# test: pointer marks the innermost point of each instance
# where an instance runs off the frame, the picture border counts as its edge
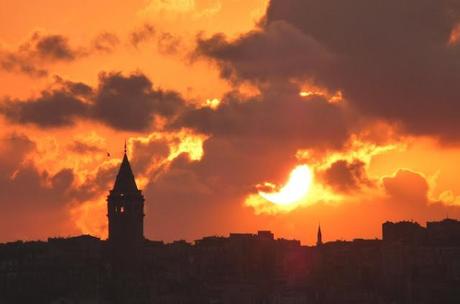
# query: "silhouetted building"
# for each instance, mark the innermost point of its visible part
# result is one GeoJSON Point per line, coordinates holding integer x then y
{"type": "Point", "coordinates": [443, 232]}
{"type": "Point", "coordinates": [124, 255]}
{"type": "Point", "coordinates": [403, 232]}
{"type": "Point", "coordinates": [241, 268]}
{"type": "Point", "coordinates": [125, 208]}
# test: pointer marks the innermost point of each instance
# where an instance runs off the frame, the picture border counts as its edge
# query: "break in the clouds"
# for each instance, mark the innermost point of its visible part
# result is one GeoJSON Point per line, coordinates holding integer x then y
{"type": "Point", "coordinates": [121, 102]}
{"type": "Point", "coordinates": [395, 60]}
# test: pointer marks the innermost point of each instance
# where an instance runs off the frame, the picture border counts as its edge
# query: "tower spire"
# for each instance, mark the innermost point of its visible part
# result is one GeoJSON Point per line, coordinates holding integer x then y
{"type": "Point", "coordinates": [125, 146]}
{"type": "Point", "coordinates": [319, 237]}
{"type": "Point", "coordinates": [125, 181]}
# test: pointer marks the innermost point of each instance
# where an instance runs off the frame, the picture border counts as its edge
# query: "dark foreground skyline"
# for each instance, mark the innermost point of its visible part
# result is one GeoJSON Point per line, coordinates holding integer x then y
{"type": "Point", "coordinates": [410, 264]}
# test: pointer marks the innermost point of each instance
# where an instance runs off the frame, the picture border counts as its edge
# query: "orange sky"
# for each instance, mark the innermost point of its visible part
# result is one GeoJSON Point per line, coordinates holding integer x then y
{"type": "Point", "coordinates": [201, 163]}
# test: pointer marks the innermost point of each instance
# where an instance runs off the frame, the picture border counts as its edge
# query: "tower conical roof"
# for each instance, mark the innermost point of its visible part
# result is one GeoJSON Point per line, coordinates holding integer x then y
{"type": "Point", "coordinates": [319, 237]}
{"type": "Point", "coordinates": [125, 182]}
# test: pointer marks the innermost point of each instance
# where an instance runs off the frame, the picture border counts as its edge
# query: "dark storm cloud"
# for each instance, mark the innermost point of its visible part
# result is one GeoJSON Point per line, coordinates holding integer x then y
{"type": "Point", "coordinates": [278, 115]}
{"type": "Point", "coordinates": [278, 52]}
{"type": "Point", "coordinates": [393, 59]}
{"type": "Point", "coordinates": [51, 47]}
{"type": "Point", "coordinates": [42, 49]}
{"type": "Point", "coordinates": [78, 89]}
{"type": "Point", "coordinates": [131, 103]}
{"type": "Point", "coordinates": [56, 107]}
{"type": "Point", "coordinates": [51, 109]}
{"type": "Point", "coordinates": [344, 176]}
{"type": "Point", "coordinates": [39, 49]}
{"type": "Point", "coordinates": [121, 102]}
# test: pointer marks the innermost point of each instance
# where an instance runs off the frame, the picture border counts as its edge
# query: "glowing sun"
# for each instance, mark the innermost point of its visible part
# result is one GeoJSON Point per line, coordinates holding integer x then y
{"type": "Point", "coordinates": [294, 190]}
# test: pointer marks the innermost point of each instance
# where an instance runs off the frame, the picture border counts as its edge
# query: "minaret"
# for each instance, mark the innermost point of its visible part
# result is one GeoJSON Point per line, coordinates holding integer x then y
{"type": "Point", "coordinates": [125, 205]}
{"type": "Point", "coordinates": [319, 237]}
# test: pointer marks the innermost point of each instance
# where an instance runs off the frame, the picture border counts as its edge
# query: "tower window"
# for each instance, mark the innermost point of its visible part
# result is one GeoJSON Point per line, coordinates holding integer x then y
{"type": "Point", "coordinates": [122, 209]}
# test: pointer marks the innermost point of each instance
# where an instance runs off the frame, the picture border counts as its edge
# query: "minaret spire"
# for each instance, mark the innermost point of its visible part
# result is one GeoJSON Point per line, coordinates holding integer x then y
{"type": "Point", "coordinates": [319, 237]}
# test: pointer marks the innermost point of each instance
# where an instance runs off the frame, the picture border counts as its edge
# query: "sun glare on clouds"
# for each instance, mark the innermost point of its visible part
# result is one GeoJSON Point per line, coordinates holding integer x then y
{"type": "Point", "coordinates": [295, 189]}
{"type": "Point", "coordinates": [270, 199]}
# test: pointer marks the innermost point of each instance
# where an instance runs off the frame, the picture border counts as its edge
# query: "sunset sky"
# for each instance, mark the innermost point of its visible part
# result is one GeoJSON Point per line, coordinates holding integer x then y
{"type": "Point", "coordinates": [239, 115]}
